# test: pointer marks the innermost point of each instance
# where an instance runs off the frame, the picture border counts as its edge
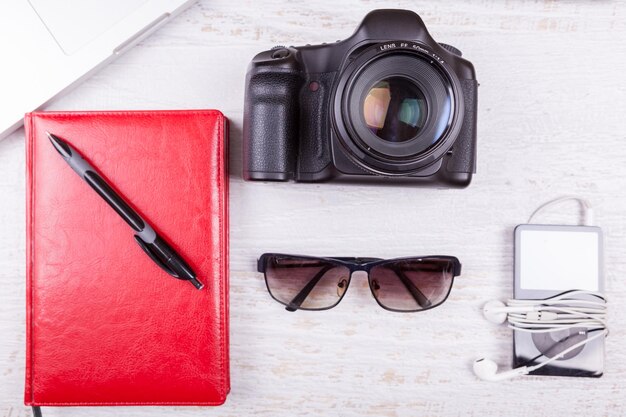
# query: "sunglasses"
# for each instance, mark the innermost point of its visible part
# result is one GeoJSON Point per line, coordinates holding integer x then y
{"type": "Point", "coordinates": [402, 285]}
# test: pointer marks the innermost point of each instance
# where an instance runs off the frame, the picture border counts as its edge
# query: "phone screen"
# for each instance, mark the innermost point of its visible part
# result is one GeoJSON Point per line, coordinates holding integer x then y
{"type": "Point", "coordinates": [559, 260]}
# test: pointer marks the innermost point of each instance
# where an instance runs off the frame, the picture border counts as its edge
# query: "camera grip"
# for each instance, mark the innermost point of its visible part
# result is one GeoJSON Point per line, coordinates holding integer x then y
{"type": "Point", "coordinates": [463, 159]}
{"type": "Point", "coordinates": [314, 149]}
{"type": "Point", "coordinates": [270, 124]}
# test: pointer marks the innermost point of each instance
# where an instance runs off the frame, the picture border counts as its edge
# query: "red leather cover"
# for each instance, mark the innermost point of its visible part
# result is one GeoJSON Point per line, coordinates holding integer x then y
{"type": "Point", "coordinates": [105, 325]}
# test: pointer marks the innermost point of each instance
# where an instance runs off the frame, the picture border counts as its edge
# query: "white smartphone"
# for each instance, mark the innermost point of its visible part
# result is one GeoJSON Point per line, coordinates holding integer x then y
{"type": "Point", "coordinates": [550, 260]}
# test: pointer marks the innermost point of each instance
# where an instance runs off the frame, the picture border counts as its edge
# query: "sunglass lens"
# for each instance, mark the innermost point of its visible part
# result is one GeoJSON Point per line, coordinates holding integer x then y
{"type": "Point", "coordinates": [412, 284]}
{"type": "Point", "coordinates": [306, 283]}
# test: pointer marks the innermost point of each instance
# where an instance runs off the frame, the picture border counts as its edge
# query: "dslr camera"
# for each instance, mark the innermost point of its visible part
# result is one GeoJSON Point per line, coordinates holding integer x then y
{"type": "Point", "coordinates": [388, 104]}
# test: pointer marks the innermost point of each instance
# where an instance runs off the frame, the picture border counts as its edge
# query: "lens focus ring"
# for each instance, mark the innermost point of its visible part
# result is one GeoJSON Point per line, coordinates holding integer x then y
{"type": "Point", "coordinates": [397, 111]}
{"type": "Point", "coordinates": [417, 85]}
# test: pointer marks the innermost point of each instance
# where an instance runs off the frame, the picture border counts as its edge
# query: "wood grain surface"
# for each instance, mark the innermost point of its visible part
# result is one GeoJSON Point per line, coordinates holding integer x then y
{"type": "Point", "coordinates": [552, 112]}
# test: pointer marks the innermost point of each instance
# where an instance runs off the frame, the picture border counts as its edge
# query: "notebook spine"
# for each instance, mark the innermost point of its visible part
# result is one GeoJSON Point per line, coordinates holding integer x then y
{"type": "Point", "coordinates": [30, 253]}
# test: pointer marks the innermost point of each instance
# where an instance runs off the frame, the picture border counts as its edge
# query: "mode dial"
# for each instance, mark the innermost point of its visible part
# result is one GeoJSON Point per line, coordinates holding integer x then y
{"type": "Point", "coordinates": [279, 52]}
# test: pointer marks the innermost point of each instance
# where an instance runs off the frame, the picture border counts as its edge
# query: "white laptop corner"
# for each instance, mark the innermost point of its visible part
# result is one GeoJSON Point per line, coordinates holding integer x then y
{"type": "Point", "coordinates": [44, 57]}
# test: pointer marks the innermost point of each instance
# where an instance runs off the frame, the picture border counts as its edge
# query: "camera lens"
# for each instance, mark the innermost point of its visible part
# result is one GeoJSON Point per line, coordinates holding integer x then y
{"type": "Point", "coordinates": [395, 109]}
{"type": "Point", "coordinates": [399, 106]}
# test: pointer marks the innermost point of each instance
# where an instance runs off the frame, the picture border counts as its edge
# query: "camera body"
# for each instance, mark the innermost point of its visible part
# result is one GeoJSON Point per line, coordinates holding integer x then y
{"type": "Point", "coordinates": [388, 104]}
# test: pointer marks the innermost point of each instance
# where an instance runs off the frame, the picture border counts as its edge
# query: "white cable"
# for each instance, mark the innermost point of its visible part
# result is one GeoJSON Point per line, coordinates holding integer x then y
{"type": "Point", "coordinates": [558, 313]}
{"type": "Point", "coordinates": [563, 311]}
{"type": "Point", "coordinates": [575, 346]}
{"type": "Point", "coordinates": [587, 219]}
{"type": "Point", "coordinates": [549, 329]}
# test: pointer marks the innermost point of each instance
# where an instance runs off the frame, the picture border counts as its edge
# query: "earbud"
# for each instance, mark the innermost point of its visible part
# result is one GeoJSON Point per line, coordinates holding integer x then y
{"type": "Point", "coordinates": [494, 311]}
{"type": "Point", "coordinates": [487, 370]}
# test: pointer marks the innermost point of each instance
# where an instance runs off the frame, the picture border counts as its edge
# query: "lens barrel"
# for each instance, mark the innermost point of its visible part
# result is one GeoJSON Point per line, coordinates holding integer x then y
{"type": "Point", "coordinates": [397, 109]}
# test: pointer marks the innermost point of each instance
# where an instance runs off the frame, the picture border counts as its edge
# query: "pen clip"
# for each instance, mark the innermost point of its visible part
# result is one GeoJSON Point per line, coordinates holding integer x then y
{"type": "Point", "coordinates": [148, 250]}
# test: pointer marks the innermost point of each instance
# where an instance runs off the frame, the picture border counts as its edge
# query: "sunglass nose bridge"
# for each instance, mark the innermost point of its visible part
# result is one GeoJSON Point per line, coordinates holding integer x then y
{"type": "Point", "coordinates": [360, 264]}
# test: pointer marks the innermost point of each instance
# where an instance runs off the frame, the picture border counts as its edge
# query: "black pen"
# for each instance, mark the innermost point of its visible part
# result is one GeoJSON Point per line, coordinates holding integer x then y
{"type": "Point", "coordinates": [153, 244]}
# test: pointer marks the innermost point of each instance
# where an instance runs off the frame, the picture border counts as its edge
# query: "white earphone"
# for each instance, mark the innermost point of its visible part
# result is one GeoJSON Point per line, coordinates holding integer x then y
{"type": "Point", "coordinates": [539, 316]}
{"type": "Point", "coordinates": [487, 370]}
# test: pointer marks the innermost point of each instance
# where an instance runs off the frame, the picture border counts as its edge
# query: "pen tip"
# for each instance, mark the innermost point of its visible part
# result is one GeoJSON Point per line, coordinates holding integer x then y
{"type": "Point", "coordinates": [197, 283]}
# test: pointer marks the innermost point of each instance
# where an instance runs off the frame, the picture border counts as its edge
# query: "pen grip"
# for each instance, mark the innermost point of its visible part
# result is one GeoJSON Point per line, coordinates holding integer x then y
{"type": "Point", "coordinates": [114, 200]}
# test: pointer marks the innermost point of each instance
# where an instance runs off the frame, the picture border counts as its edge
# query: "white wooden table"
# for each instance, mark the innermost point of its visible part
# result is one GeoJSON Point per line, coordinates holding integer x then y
{"type": "Point", "coordinates": [552, 121]}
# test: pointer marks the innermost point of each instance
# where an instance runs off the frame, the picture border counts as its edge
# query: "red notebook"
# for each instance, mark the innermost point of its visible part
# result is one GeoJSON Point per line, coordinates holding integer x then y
{"type": "Point", "coordinates": [106, 325]}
